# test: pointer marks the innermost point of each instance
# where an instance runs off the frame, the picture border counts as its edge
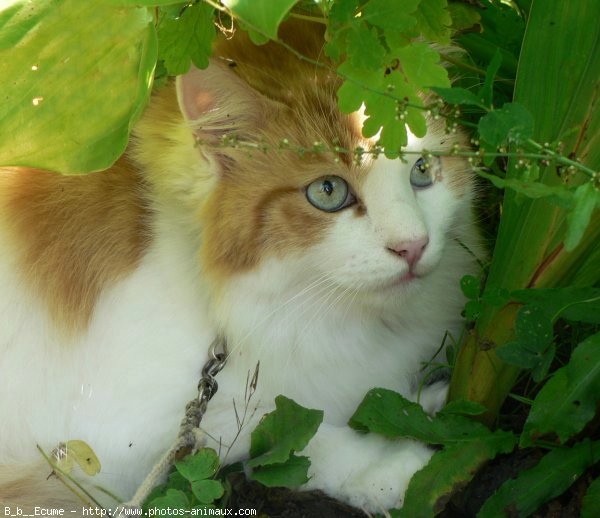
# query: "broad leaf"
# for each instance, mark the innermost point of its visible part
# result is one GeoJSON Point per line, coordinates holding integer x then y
{"type": "Point", "coordinates": [510, 124]}
{"type": "Point", "coordinates": [291, 473]}
{"type": "Point", "coordinates": [280, 433]}
{"type": "Point", "coordinates": [172, 499]}
{"type": "Point", "coordinates": [447, 472]}
{"type": "Point", "coordinates": [573, 303]}
{"type": "Point", "coordinates": [548, 479]}
{"type": "Point", "coordinates": [263, 16]}
{"type": "Point", "coordinates": [567, 402]}
{"type": "Point", "coordinates": [458, 96]}
{"type": "Point", "coordinates": [207, 491]}
{"type": "Point", "coordinates": [586, 200]}
{"type": "Point", "coordinates": [202, 465]}
{"type": "Point", "coordinates": [186, 39]}
{"type": "Point", "coordinates": [590, 507]}
{"type": "Point", "coordinates": [434, 20]}
{"type": "Point", "coordinates": [385, 14]}
{"type": "Point", "coordinates": [388, 413]}
{"type": "Point", "coordinates": [69, 106]}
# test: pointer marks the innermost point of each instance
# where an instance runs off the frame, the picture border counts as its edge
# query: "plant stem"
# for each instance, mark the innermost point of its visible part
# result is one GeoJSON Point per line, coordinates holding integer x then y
{"type": "Point", "coordinates": [315, 19]}
{"type": "Point", "coordinates": [562, 159]}
{"type": "Point", "coordinates": [472, 68]}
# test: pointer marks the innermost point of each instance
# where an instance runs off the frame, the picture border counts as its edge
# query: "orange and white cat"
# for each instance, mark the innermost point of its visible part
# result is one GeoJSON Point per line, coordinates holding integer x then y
{"type": "Point", "coordinates": [337, 275]}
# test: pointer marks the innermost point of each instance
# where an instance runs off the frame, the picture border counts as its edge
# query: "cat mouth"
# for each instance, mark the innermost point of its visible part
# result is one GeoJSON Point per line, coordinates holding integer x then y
{"type": "Point", "coordinates": [406, 280]}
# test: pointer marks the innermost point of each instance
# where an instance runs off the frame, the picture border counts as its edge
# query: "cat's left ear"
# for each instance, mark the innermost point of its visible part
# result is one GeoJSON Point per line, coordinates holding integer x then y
{"type": "Point", "coordinates": [215, 101]}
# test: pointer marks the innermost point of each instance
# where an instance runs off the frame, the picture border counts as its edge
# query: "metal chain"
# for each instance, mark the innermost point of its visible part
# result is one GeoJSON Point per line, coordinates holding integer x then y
{"type": "Point", "coordinates": [187, 440]}
{"type": "Point", "coordinates": [207, 388]}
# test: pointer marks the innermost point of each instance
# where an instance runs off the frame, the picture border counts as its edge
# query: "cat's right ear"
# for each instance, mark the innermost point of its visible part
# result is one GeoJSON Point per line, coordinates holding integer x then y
{"type": "Point", "coordinates": [216, 102]}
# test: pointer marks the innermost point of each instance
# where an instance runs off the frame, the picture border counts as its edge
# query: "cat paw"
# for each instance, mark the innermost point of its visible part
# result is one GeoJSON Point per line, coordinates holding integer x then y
{"type": "Point", "coordinates": [366, 471]}
{"type": "Point", "coordinates": [433, 397]}
{"type": "Point", "coordinates": [381, 486]}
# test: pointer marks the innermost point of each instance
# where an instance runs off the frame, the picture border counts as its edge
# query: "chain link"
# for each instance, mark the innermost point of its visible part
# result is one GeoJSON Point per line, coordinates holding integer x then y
{"type": "Point", "coordinates": [208, 386]}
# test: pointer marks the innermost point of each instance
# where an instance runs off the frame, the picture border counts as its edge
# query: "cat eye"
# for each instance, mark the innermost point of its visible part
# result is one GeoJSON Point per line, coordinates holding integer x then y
{"type": "Point", "coordinates": [330, 194]}
{"type": "Point", "coordinates": [421, 175]}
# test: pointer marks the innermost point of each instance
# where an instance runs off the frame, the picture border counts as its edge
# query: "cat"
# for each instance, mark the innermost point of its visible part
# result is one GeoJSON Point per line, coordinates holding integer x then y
{"type": "Point", "coordinates": [337, 274]}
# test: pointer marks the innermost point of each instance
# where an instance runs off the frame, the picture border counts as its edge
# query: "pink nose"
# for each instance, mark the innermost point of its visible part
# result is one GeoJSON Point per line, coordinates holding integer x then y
{"type": "Point", "coordinates": [410, 251]}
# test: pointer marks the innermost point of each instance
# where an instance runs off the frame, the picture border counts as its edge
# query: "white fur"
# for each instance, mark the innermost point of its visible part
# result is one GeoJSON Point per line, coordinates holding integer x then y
{"type": "Point", "coordinates": [326, 324]}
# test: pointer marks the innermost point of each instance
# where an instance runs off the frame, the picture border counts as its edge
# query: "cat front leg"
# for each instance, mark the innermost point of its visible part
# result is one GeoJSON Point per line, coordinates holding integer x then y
{"type": "Point", "coordinates": [368, 471]}
{"type": "Point", "coordinates": [432, 397]}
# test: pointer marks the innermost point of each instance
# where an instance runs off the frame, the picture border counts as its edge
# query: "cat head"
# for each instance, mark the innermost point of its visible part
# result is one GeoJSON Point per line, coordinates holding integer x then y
{"type": "Point", "coordinates": [262, 160]}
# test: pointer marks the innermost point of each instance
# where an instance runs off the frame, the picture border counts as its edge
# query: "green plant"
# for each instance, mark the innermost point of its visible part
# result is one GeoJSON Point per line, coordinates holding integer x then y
{"type": "Point", "coordinates": [197, 484]}
{"type": "Point", "coordinates": [528, 88]}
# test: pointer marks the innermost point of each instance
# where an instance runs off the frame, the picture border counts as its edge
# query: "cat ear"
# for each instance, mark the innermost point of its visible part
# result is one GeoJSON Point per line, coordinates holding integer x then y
{"type": "Point", "coordinates": [215, 101]}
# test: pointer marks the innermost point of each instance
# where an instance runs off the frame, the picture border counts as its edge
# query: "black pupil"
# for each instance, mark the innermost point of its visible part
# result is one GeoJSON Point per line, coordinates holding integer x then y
{"type": "Point", "coordinates": [327, 187]}
{"type": "Point", "coordinates": [421, 165]}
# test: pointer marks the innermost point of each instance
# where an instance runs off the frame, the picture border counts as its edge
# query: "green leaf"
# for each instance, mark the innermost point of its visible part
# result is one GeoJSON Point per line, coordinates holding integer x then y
{"type": "Point", "coordinates": [291, 473]}
{"type": "Point", "coordinates": [69, 106]}
{"type": "Point", "coordinates": [532, 190]}
{"type": "Point", "coordinates": [542, 367]}
{"type": "Point", "coordinates": [591, 501]}
{"type": "Point", "coordinates": [470, 286]}
{"type": "Point", "coordinates": [473, 309]}
{"type": "Point", "coordinates": [421, 66]}
{"type": "Point", "coordinates": [175, 481]}
{"type": "Point", "coordinates": [434, 20]}
{"type": "Point", "coordinates": [149, 3]}
{"type": "Point", "coordinates": [533, 347]}
{"type": "Point", "coordinates": [172, 499]}
{"type": "Point", "coordinates": [463, 16]}
{"type": "Point", "coordinates": [458, 96]}
{"type": "Point", "coordinates": [534, 328]}
{"type": "Point", "coordinates": [207, 491]}
{"type": "Point", "coordinates": [342, 13]}
{"type": "Point", "coordinates": [202, 465]}
{"type": "Point", "coordinates": [567, 402]}
{"type": "Point", "coordinates": [462, 406]}
{"type": "Point", "coordinates": [573, 303]}
{"type": "Point", "coordinates": [586, 199]}
{"type": "Point", "coordinates": [263, 16]}
{"type": "Point", "coordinates": [548, 479]}
{"type": "Point", "coordinates": [495, 296]}
{"type": "Point", "coordinates": [186, 39]}
{"type": "Point", "coordinates": [486, 94]}
{"type": "Point", "coordinates": [515, 353]}
{"type": "Point", "coordinates": [448, 471]}
{"type": "Point", "coordinates": [285, 430]}
{"type": "Point", "coordinates": [364, 48]}
{"type": "Point", "coordinates": [385, 14]}
{"type": "Point", "coordinates": [388, 413]}
{"type": "Point", "coordinates": [511, 123]}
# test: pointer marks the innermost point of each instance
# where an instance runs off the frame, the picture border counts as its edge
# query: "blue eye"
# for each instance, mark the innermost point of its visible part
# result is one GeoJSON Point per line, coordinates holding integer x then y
{"type": "Point", "coordinates": [421, 175]}
{"type": "Point", "coordinates": [330, 193]}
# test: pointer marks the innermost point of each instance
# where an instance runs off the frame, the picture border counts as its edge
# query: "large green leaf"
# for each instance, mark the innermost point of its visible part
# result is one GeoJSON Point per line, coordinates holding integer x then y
{"type": "Point", "coordinates": [75, 76]}
{"type": "Point", "coordinates": [548, 479]}
{"type": "Point", "coordinates": [291, 473]}
{"type": "Point", "coordinates": [390, 414]}
{"type": "Point", "coordinates": [591, 502]}
{"type": "Point", "coordinates": [567, 402]}
{"type": "Point", "coordinates": [557, 83]}
{"type": "Point", "coordinates": [280, 433]}
{"type": "Point", "coordinates": [449, 471]}
{"type": "Point", "coordinates": [263, 16]}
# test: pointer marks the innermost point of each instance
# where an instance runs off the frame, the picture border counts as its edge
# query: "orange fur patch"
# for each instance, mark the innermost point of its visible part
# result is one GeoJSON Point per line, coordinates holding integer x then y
{"type": "Point", "coordinates": [30, 486]}
{"type": "Point", "coordinates": [74, 234]}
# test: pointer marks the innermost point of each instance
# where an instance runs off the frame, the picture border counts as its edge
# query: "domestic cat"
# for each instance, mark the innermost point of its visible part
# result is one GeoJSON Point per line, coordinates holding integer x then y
{"type": "Point", "coordinates": [336, 274]}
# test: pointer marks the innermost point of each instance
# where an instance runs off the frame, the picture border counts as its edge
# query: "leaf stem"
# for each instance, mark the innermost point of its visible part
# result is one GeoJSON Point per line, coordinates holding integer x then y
{"type": "Point", "coordinates": [315, 19]}
{"type": "Point", "coordinates": [561, 158]}
{"type": "Point", "coordinates": [60, 474]}
{"type": "Point", "coordinates": [472, 68]}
